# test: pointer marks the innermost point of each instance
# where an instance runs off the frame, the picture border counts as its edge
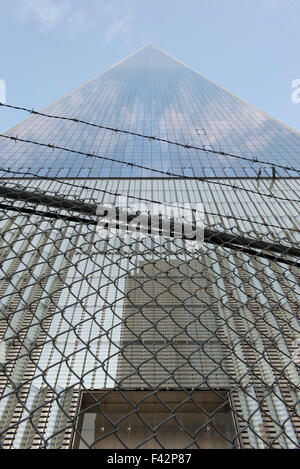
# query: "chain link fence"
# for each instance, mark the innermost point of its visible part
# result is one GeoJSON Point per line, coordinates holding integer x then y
{"type": "Point", "coordinates": [144, 343]}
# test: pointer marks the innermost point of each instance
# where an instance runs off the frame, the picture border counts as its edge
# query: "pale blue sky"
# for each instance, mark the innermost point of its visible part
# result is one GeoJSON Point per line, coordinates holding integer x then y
{"type": "Point", "coordinates": [251, 47]}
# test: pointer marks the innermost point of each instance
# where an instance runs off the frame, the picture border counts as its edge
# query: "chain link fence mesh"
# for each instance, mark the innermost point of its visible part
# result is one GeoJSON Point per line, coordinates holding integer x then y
{"type": "Point", "coordinates": [120, 343]}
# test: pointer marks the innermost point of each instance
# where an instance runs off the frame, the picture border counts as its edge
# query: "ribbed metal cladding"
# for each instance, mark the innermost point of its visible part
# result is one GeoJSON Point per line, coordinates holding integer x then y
{"type": "Point", "coordinates": [167, 316]}
{"type": "Point", "coordinates": [84, 315]}
{"type": "Point", "coordinates": [94, 333]}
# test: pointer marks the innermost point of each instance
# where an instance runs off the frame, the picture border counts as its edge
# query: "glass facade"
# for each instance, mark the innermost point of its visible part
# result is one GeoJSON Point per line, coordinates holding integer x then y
{"type": "Point", "coordinates": [152, 93]}
{"type": "Point", "coordinates": [125, 315]}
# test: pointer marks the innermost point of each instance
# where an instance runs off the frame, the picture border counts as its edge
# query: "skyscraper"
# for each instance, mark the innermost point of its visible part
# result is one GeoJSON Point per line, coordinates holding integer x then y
{"type": "Point", "coordinates": [126, 343]}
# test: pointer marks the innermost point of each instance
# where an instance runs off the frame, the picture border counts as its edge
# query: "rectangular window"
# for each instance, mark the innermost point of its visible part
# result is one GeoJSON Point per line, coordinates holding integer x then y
{"type": "Point", "coordinates": [166, 419]}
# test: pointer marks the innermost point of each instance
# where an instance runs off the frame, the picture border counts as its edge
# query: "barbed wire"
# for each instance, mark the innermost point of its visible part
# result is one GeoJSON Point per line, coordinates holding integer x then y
{"type": "Point", "coordinates": [144, 199]}
{"type": "Point", "coordinates": [92, 209]}
{"type": "Point", "coordinates": [220, 322]}
{"type": "Point", "coordinates": [223, 238]}
{"type": "Point", "coordinates": [148, 318]}
{"type": "Point", "coordinates": [153, 138]}
{"type": "Point", "coordinates": [136, 165]}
